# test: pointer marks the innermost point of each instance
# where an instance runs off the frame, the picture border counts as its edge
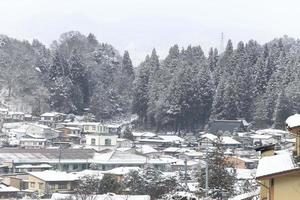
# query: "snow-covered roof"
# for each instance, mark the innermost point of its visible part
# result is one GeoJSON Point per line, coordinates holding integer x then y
{"type": "Point", "coordinates": [144, 134]}
{"type": "Point", "coordinates": [262, 137]}
{"type": "Point", "coordinates": [50, 175]}
{"type": "Point", "coordinates": [245, 196]}
{"type": "Point", "coordinates": [181, 162]}
{"type": "Point", "coordinates": [209, 136]}
{"type": "Point", "coordinates": [293, 121]}
{"type": "Point", "coordinates": [5, 188]}
{"type": "Point", "coordinates": [245, 174]}
{"type": "Point", "coordinates": [176, 150]}
{"type": "Point", "coordinates": [33, 139]}
{"type": "Point", "coordinates": [51, 114]}
{"type": "Point", "coordinates": [121, 170]}
{"type": "Point", "coordinates": [291, 140]}
{"type": "Point", "coordinates": [271, 131]}
{"type": "Point", "coordinates": [73, 128]}
{"type": "Point", "coordinates": [171, 138]}
{"type": "Point", "coordinates": [28, 166]}
{"type": "Point", "coordinates": [225, 139]}
{"type": "Point", "coordinates": [88, 172]}
{"type": "Point", "coordinates": [274, 164]}
{"type": "Point", "coordinates": [229, 140]}
{"type": "Point", "coordinates": [146, 149]}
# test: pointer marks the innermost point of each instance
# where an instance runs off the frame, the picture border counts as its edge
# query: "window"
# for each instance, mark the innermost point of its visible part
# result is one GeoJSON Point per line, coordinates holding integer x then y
{"type": "Point", "coordinates": [93, 128]}
{"type": "Point", "coordinates": [41, 186]}
{"type": "Point", "coordinates": [52, 186]}
{"type": "Point", "coordinates": [32, 184]}
{"type": "Point", "coordinates": [75, 166]}
{"type": "Point", "coordinates": [62, 186]}
{"type": "Point", "coordinates": [93, 141]}
{"type": "Point", "coordinates": [107, 142]}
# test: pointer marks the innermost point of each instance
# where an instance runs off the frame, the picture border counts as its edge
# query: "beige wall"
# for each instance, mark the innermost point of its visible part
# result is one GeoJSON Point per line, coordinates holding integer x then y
{"type": "Point", "coordinates": [34, 184]}
{"type": "Point", "coordinates": [287, 187]}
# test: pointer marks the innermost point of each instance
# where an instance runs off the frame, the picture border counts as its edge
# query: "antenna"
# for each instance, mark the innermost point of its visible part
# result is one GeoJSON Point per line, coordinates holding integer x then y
{"type": "Point", "coordinates": [222, 43]}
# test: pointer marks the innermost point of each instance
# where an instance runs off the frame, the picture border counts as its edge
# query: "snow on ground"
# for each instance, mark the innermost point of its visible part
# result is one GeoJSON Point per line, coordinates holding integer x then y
{"type": "Point", "coordinates": [109, 196]}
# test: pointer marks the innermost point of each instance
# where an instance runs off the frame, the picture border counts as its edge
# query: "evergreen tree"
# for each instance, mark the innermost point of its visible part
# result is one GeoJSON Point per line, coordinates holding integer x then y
{"type": "Point", "coordinates": [220, 179]}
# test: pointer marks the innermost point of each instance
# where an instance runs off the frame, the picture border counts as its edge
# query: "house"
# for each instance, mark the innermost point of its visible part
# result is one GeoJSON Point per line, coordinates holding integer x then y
{"type": "Point", "coordinates": [29, 142]}
{"type": "Point", "coordinates": [148, 151]}
{"type": "Point", "coordinates": [8, 192]}
{"type": "Point", "coordinates": [209, 140]}
{"type": "Point", "coordinates": [142, 135]}
{"type": "Point", "coordinates": [14, 116]}
{"type": "Point", "coordinates": [278, 173]}
{"type": "Point", "coordinates": [32, 168]}
{"type": "Point", "coordinates": [41, 131]}
{"type": "Point", "coordinates": [120, 172]}
{"type": "Point", "coordinates": [50, 118]}
{"type": "Point", "coordinates": [229, 126]}
{"type": "Point", "coordinates": [70, 130]}
{"type": "Point", "coordinates": [48, 182]}
{"type": "Point", "coordinates": [70, 135]}
{"type": "Point", "coordinates": [115, 158]}
{"type": "Point", "coordinates": [101, 141]}
{"type": "Point", "coordinates": [94, 127]}
{"type": "Point", "coordinates": [162, 141]}
{"type": "Point", "coordinates": [241, 163]}
{"type": "Point", "coordinates": [3, 112]}
{"type": "Point", "coordinates": [122, 142]}
{"type": "Point", "coordinates": [64, 159]}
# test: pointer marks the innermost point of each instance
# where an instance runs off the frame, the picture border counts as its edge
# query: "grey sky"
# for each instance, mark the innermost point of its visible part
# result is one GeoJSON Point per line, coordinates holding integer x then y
{"type": "Point", "coordinates": [140, 25]}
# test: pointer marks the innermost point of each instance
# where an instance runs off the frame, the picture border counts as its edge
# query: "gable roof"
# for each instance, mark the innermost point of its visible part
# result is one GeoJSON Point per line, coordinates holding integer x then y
{"type": "Point", "coordinates": [272, 165]}
{"type": "Point", "coordinates": [50, 175]}
{"type": "Point", "coordinates": [227, 125]}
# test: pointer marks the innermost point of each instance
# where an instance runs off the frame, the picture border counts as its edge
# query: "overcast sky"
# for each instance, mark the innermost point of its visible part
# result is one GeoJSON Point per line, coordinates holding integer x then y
{"type": "Point", "coordinates": [140, 25]}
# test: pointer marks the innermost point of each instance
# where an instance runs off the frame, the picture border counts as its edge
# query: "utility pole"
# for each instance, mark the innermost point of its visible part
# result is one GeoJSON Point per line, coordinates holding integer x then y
{"type": "Point", "coordinates": [59, 158]}
{"type": "Point", "coordinates": [185, 172]}
{"type": "Point", "coordinates": [206, 171]}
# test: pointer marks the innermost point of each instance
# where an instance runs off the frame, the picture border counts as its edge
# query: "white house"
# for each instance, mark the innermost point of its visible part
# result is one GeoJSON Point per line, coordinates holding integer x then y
{"type": "Point", "coordinates": [100, 141]}
{"type": "Point", "coordinates": [50, 118]}
{"type": "Point", "coordinates": [94, 127]}
{"type": "Point", "coordinates": [28, 142]}
{"type": "Point", "coordinates": [41, 131]}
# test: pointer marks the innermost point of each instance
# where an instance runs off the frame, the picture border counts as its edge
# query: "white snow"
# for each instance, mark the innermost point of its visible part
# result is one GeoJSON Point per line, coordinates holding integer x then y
{"type": "Point", "coordinates": [225, 139]}
{"type": "Point", "coordinates": [50, 175]}
{"type": "Point", "coordinates": [109, 196]}
{"type": "Point", "coordinates": [146, 149]}
{"type": "Point", "coordinates": [4, 188]}
{"type": "Point", "coordinates": [293, 121]}
{"type": "Point", "coordinates": [271, 131]}
{"type": "Point", "coordinates": [121, 170]}
{"type": "Point", "coordinates": [244, 196]}
{"type": "Point", "coordinates": [274, 164]}
{"type": "Point", "coordinates": [245, 174]}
